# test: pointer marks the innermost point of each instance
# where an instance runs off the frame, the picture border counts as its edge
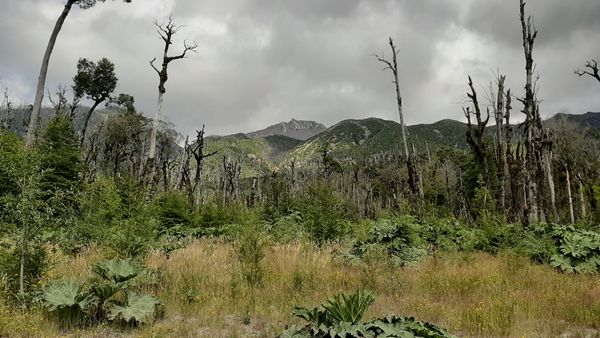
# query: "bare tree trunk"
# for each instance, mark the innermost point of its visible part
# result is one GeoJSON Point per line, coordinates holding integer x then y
{"type": "Point", "coordinates": [87, 120]}
{"type": "Point", "coordinates": [546, 158]}
{"type": "Point", "coordinates": [155, 125]}
{"type": "Point", "coordinates": [410, 161]}
{"type": "Point", "coordinates": [581, 199]}
{"type": "Point", "coordinates": [22, 272]}
{"type": "Point", "coordinates": [500, 150]}
{"type": "Point", "coordinates": [182, 164]}
{"type": "Point", "coordinates": [39, 93]}
{"type": "Point", "coordinates": [569, 195]}
{"type": "Point", "coordinates": [530, 110]}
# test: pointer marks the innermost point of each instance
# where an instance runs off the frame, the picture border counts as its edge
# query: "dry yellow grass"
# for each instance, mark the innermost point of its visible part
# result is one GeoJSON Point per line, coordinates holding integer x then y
{"type": "Point", "coordinates": [473, 295]}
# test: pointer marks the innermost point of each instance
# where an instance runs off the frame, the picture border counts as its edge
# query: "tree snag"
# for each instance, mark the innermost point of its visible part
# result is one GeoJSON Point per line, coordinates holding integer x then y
{"type": "Point", "coordinates": [408, 157]}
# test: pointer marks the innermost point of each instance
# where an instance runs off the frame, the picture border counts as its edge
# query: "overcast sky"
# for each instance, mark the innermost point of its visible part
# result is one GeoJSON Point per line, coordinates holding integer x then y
{"type": "Point", "coordinates": [260, 62]}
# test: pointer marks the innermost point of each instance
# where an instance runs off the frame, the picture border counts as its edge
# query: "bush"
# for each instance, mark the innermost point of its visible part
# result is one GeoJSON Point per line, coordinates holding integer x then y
{"type": "Point", "coordinates": [399, 238]}
{"type": "Point", "coordinates": [35, 264]}
{"type": "Point", "coordinates": [251, 246]}
{"type": "Point", "coordinates": [172, 209]}
{"type": "Point", "coordinates": [324, 214]}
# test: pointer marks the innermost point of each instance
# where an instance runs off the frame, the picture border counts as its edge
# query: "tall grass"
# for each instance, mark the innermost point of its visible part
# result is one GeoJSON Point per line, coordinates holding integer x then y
{"type": "Point", "coordinates": [205, 293]}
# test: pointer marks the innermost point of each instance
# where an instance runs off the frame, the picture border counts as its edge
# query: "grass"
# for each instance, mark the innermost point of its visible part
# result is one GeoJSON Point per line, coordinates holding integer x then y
{"type": "Point", "coordinates": [471, 294]}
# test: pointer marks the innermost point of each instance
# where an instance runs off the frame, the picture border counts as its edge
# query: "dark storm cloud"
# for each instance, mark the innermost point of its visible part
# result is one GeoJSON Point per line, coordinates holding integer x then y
{"type": "Point", "coordinates": [261, 62]}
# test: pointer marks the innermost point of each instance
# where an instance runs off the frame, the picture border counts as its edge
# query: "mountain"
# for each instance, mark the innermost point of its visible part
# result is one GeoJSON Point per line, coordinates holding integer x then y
{"type": "Point", "coordinates": [588, 120]}
{"type": "Point", "coordinates": [255, 155]}
{"type": "Point", "coordinates": [363, 138]}
{"type": "Point", "coordinates": [297, 129]}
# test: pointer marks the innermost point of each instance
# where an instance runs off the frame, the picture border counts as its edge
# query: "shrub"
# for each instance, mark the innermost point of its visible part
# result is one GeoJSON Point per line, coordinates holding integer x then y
{"type": "Point", "coordinates": [324, 214]}
{"type": "Point", "coordinates": [252, 243]}
{"type": "Point", "coordinates": [399, 238]}
{"type": "Point", "coordinates": [578, 250]}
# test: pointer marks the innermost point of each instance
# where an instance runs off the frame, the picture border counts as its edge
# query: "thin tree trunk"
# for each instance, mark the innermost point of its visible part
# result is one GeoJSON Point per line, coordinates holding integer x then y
{"type": "Point", "coordinates": [39, 93]}
{"type": "Point", "coordinates": [569, 195]}
{"type": "Point", "coordinates": [546, 157]}
{"type": "Point", "coordinates": [152, 151]}
{"type": "Point", "coordinates": [22, 272]}
{"type": "Point", "coordinates": [582, 200]}
{"type": "Point", "coordinates": [87, 120]}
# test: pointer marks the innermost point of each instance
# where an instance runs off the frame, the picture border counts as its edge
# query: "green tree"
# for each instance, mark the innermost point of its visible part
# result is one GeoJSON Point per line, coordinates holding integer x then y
{"type": "Point", "coordinates": [96, 81]}
{"type": "Point", "coordinates": [24, 211]}
{"type": "Point", "coordinates": [60, 156]}
{"type": "Point", "coordinates": [39, 93]}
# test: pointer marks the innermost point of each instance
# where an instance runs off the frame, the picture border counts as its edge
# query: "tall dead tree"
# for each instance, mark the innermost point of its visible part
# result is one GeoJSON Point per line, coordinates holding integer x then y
{"type": "Point", "coordinates": [166, 32]}
{"type": "Point", "coordinates": [413, 176]}
{"type": "Point", "coordinates": [531, 114]}
{"type": "Point", "coordinates": [197, 151]}
{"type": "Point", "coordinates": [538, 145]}
{"type": "Point", "coordinates": [591, 69]}
{"type": "Point", "coordinates": [499, 116]}
{"type": "Point", "coordinates": [475, 134]}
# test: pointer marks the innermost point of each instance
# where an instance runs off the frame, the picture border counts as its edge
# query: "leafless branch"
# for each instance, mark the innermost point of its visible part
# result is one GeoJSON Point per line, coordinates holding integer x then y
{"type": "Point", "coordinates": [593, 71]}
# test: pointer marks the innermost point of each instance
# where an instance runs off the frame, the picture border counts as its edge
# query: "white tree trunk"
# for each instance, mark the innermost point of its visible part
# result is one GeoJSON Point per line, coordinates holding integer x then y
{"type": "Point", "coordinates": [152, 151]}
{"type": "Point", "coordinates": [39, 93]}
{"type": "Point", "coordinates": [569, 195]}
{"type": "Point", "coordinates": [582, 201]}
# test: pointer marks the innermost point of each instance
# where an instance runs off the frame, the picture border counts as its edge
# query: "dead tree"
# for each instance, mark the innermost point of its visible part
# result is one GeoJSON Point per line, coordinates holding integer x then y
{"type": "Point", "coordinates": [531, 112]}
{"type": "Point", "coordinates": [408, 157]}
{"type": "Point", "coordinates": [229, 180]}
{"type": "Point", "coordinates": [538, 145]}
{"type": "Point", "coordinates": [475, 134]}
{"type": "Point", "coordinates": [166, 32]}
{"type": "Point", "coordinates": [569, 194]}
{"type": "Point", "coordinates": [499, 116]}
{"type": "Point", "coordinates": [6, 110]}
{"type": "Point", "coordinates": [591, 69]}
{"type": "Point", "coordinates": [183, 171]}
{"type": "Point", "coordinates": [197, 151]}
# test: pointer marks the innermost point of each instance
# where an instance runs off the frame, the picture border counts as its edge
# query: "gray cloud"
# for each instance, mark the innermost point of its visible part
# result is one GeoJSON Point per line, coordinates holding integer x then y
{"type": "Point", "coordinates": [261, 62]}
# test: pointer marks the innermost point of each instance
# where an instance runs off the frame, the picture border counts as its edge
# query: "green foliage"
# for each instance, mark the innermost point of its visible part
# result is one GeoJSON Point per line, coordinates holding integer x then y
{"type": "Point", "coordinates": [324, 214]}
{"type": "Point", "coordinates": [578, 250]}
{"type": "Point", "coordinates": [117, 270]}
{"type": "Point", "coordinates": [252, 243]}
{"type": "Point", "coordinates": [108, 297]}
{"type": "Point", "coordinates": [138, 310]}
{"type": "Point", "coordinates": [171, 209]}
{"type": "Point", "coordinates": [94, 80]}
{"type": "Point", "coordinates": [23, 211]}
{"type": "Point", "coordinates": [289, 228]}
{"type": "Point", "coordinates": [35, 260]}
{"type": "Point", "coordinates": [449, 234]}
{"type": "Point", "coordinates": [398, 237]}
{"type": "Point", "coordinates": [60, 156]}
{"type": "Point", "coordinates": [340, 318]}
{"type": "Point", "coordinates": [66, 301]}
{"type": "Point", "coordinates": [349, 308]}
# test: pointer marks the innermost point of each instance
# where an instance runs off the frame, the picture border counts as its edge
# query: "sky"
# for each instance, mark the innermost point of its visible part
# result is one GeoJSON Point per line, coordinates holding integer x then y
{"type": "Point", "coordinates": [260, 62]}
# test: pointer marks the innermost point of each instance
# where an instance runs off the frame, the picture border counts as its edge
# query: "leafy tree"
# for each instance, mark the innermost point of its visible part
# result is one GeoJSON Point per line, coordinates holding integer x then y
{"type": "Point", "coordinates": [60, 156]}
{"type": "Point", "coordinates": [23, 210]}
{"type": "Point", "coordinates": [39, 93]}
{"type": "Point", "coordinates": [96, 81]}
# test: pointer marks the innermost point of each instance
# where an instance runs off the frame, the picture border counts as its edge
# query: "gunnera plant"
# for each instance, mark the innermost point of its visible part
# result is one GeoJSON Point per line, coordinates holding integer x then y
{"type": "Point", "coordinates": [108, 297]}
{"type": "Point", "coordinates": [340, 317]}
